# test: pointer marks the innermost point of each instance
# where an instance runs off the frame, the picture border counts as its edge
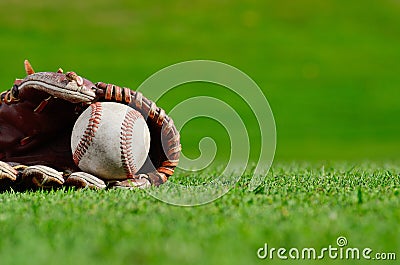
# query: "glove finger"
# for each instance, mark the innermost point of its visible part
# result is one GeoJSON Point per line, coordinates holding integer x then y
{"type": "Point", "coordinates": [140, 182]}
{"type": "Point", "coordinates": [84, 180]}
{"type": "Point", "coordinates": [43, 176]}
{"type": "Point", "coordinates": [7, 172]}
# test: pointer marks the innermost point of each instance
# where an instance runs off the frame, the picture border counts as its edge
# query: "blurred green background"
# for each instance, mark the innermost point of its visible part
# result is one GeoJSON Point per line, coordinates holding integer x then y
{"type": "Point", "coordinates": [330, 69]}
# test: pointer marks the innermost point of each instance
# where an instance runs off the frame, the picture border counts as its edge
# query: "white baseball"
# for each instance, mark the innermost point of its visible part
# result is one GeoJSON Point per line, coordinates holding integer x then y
{"type": "Point", "coordinates": [110, 140]}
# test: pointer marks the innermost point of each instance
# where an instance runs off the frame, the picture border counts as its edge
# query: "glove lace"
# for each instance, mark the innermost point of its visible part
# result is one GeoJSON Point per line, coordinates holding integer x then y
{"type": "Point", "coordinates": [8, 97]}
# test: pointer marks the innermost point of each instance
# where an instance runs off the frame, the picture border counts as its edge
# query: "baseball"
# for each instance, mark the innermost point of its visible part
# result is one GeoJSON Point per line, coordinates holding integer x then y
{"type": "Point", "coordinates": [110, 140]}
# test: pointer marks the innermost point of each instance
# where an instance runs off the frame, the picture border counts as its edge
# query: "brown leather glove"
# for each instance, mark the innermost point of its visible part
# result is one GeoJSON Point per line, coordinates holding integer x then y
{"type": "Point", "coordinates": [36, 119]}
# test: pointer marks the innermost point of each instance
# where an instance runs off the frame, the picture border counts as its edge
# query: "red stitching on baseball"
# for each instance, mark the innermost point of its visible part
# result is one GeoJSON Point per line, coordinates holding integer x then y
{"type": "Point", "coordinates": [89, 133]}
{"type": "Point", "coordinates": [128, 163]}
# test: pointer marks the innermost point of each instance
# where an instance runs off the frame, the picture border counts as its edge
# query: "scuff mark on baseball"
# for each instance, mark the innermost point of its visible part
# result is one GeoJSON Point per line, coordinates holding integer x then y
{"type": "Point", "coordinates": [110, 140]}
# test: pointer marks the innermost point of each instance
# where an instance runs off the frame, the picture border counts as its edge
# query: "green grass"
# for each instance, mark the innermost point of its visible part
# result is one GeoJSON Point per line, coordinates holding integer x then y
{"type": "Point", "coordinates": [298, 205]}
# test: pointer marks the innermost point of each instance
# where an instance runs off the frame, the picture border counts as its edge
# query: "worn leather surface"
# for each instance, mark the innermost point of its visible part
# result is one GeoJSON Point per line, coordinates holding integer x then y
{"type": "Point", "coordinates": [33, 138]}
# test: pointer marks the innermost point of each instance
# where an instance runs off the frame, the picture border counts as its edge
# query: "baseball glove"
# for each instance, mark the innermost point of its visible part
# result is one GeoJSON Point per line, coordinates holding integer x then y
{"type": "Point", "coordinates": [36, 119]}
